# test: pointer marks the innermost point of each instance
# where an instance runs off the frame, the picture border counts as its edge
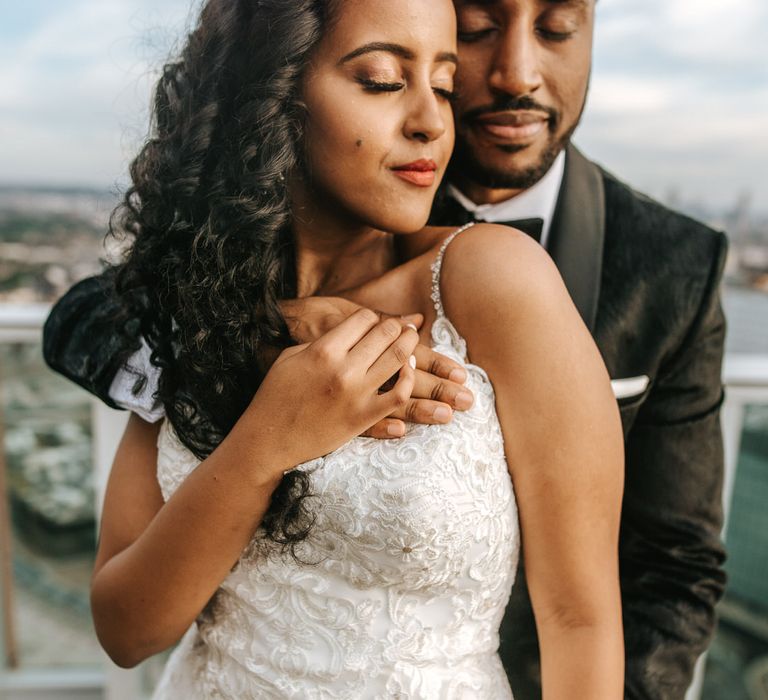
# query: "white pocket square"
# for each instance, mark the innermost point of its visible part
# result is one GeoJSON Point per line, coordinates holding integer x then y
{"type": "Point", "coordinates": [631, 386]}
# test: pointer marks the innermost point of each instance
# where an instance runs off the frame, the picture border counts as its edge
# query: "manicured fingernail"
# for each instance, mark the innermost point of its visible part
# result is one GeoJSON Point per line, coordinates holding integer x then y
{"type": "Point", "coordinates": [395, 430]}
{"type": "Point", "coordinates": [464, 400]}
{"type": "Point", "coordinates": [411, 325]}
{"type": "Point", "coordinates": [412, 361]}
{"type": "Point", "coordinates": [458, 375]}
{"type": "Point", "coordinates": [442, 414]}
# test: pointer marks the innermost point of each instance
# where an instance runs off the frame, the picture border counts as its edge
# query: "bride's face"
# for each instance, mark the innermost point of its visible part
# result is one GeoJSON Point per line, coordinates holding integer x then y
{"type": "Point", "coordinates": [378, 94]}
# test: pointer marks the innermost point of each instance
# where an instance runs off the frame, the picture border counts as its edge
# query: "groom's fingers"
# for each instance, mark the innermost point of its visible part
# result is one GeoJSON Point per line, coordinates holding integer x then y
{"type": "Point", "coordinates": [432, 402]}
{"type": "Point", "coordinates": [420, 411]}
{"type": "Point", "coordinates": [424, 411]}
{"type": "Point", "coordinates": [429, 386]}
{"type": "Point", "coordinates": [439, 365]}
{"type": "Point", "coordinates": [386, 429]}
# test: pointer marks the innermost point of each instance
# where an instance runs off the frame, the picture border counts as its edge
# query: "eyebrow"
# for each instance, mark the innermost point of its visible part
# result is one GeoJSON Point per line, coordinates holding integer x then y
{"type": "Point", "coordinates": [397, 50]}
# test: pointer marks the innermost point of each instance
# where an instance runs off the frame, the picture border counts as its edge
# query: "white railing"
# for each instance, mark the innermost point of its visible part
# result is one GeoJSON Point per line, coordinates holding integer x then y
{"type": "Point", "coordinates": [23, 324]}
{"type": "Point", "coordinates": [746, 382]}
{"type": "Point", "coordinates": [745, 377]}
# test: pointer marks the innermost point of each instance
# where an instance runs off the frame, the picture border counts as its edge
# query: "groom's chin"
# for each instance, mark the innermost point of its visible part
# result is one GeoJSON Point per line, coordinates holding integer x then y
{"type": "Point", "coordinates": [505, 166]}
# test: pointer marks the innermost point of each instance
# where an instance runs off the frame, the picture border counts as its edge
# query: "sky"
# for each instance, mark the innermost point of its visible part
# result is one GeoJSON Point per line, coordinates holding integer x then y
{"type": "Point", "coordinates": [678, 104]}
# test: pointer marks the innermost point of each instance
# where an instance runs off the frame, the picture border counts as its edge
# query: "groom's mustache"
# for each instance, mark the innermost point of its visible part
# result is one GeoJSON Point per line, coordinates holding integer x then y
{"type": "Point", "coordinates": [507, 103]}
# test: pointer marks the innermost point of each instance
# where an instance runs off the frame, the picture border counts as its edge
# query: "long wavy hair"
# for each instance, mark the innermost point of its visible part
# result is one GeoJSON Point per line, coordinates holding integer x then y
{"type": "Point", "coordinates": [208, 216]}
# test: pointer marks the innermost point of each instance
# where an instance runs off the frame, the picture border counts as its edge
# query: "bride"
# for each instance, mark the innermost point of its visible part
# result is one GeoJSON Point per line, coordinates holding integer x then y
{"type": "Point", "coordinates": [295, 143]}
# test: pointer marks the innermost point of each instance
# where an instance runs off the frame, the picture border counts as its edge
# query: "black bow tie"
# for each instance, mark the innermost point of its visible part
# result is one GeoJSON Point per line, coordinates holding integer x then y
{"type": "Point", "coordinates": [533, 227]}
{"type": "Point", "coordinates": [453, 214]}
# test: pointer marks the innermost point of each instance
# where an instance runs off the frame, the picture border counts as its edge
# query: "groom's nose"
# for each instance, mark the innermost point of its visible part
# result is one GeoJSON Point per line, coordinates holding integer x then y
{"type": "Point", "coordinates": [516, 67]}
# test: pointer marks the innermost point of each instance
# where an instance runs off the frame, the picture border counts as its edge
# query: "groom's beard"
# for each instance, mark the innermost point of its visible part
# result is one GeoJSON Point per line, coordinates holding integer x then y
{"type": "Point", "coordinates": [468, 164]}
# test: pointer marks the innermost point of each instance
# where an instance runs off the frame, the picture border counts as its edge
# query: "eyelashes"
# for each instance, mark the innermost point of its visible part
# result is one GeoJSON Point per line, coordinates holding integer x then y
{"type": "Point", "coordinates": [550, 35]}
{"type": "Point", "coordinates": [471, 37]}
{"type": "Point", "coordinates": [544, 33]}
{"type": "Point", "coordinates": [446, 94]}
{"type": "Point", "coordinates": [381, 86]}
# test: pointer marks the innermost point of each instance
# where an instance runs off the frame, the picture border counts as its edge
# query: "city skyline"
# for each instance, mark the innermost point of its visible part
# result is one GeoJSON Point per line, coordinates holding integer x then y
{"type": "Point", "coordinates": [678, 101]}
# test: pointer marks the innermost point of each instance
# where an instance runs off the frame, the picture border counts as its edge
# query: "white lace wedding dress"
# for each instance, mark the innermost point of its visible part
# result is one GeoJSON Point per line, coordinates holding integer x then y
{"type": "Point", "coordinates": [411, 562]}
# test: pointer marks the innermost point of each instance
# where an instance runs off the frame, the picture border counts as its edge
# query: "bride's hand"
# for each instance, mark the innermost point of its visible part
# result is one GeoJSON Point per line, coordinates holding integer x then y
{"type": "Point", "coordinates": [319, 395]}
{"type": "Point", "coordinates": [438, 389]}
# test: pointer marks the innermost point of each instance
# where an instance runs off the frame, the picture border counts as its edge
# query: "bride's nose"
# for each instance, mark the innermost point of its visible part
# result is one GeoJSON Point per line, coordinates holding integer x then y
{"type": "Point", "coordinates": [426, 119]}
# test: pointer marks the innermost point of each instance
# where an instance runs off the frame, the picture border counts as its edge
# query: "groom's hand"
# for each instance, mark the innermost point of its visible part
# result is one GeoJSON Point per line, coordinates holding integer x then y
{"type": "Point", "coordinates": [438, 390]}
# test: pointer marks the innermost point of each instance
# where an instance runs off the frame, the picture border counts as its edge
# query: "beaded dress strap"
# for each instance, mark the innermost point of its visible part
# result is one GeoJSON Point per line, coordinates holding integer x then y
{"type": "Point", "coordinates": [437, 265]}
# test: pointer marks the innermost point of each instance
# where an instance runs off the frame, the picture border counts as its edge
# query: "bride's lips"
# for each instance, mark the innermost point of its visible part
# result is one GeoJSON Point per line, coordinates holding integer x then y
{"type": "Point", "coordinates": [513, 127]}
{"type": "Point", "coordinates": [420, 173]}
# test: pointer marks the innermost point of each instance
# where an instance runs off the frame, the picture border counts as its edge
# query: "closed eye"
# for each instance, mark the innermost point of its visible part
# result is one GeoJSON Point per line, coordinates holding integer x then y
{"type": "Point", "coordinates": [446, 94]}
{"type": "Point", "coordinates": [554, 36]}
{"type": "Point", "coordinates": [470, 37]}
{"type": "Point", "coordinates": [376, 86]}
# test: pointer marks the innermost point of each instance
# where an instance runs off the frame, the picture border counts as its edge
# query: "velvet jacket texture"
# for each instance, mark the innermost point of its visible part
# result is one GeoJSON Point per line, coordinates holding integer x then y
{"type": "Point", "coordinates": [646, 282]}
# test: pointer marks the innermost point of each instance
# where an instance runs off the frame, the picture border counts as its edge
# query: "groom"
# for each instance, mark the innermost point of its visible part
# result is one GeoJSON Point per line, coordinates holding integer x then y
{"type": "Point", "coordinates": [645, 281]}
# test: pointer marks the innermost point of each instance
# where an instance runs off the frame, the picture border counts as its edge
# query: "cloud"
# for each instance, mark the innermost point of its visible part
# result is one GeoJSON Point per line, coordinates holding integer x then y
{"type": "Point", "coordinates": [78, 84]}
{"type": "Point", "coordinates": [679, 96]}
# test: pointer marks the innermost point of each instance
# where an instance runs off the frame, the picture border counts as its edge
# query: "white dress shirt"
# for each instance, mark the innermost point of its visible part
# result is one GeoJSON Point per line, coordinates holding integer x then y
{"type": "Point", "coordinates": [537, 202]}
{"type": "Point", "coordinates": [145, 404]}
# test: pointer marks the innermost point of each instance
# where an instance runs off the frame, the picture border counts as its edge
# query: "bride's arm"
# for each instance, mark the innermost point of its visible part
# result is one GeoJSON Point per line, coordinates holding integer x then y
{"type": "Point", "coordinates": [563, 443]}
{"type": "Point", "coordinates": [158, 564]}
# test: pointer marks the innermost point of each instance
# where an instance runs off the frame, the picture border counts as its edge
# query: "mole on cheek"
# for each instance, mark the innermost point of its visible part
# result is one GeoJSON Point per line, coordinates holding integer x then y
{"type": "Point", "coordinates": [359, 143]}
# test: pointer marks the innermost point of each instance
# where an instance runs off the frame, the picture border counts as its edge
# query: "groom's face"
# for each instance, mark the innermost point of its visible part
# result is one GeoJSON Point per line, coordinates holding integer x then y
{"type": "Point", "coordinates": [522, 81]}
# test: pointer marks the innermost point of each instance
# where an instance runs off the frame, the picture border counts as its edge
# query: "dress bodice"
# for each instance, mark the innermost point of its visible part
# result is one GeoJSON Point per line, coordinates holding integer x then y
{"type": "Point", "coordinates": [400, 587]}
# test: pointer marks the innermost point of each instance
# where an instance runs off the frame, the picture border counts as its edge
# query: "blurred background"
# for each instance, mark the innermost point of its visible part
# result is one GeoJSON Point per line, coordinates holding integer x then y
{"type": "Point", "coordinates": [678, 107]}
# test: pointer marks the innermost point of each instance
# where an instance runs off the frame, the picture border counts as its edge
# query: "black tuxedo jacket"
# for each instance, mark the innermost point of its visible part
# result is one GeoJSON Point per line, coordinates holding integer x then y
{"type": "Point", "coordinates": [645, 280]}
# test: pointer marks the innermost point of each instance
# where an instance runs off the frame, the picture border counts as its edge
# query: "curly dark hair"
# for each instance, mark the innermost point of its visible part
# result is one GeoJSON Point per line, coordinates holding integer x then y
{"type": "Point", "coordinates": [209, 219]}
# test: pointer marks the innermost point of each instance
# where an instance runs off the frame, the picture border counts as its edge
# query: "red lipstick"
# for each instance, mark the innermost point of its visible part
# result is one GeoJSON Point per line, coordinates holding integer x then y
{"type": "Point", "coordinates": [420, 173]}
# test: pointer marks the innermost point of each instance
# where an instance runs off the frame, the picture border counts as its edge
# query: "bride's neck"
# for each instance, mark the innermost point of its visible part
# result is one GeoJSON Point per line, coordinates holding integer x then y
{"type": "Point", "coordinates": [334, 252]}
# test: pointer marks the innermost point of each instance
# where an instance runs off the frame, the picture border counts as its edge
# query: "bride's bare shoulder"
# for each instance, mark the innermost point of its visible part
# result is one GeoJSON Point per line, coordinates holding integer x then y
{"type": "Point", "coordinates": [498, 269]}
{"type": "Point", "coordinates": [430, 238]}
{"type": "Point", "coordinates": [484, 249]}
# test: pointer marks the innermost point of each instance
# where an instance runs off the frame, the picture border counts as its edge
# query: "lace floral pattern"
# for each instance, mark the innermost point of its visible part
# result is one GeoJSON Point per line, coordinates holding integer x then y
{"type": "Point", "coordinates": [407, 571]}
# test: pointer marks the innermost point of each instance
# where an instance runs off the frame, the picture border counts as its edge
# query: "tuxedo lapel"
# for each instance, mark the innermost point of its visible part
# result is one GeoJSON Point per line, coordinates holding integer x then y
{"type": "Point", "coordinates": [578, 231]}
